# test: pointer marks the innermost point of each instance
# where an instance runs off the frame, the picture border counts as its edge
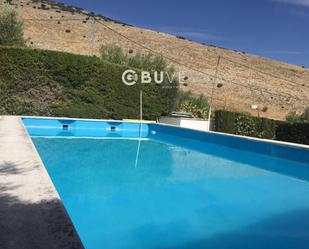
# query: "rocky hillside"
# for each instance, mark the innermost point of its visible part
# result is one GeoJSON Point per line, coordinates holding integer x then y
{"type": "Point", "coordinates": [242, 79]}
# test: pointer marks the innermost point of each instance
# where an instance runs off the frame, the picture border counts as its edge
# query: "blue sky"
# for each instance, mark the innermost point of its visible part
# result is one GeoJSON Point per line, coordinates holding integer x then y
{"type": "Point", "coordinates": [277, 29]}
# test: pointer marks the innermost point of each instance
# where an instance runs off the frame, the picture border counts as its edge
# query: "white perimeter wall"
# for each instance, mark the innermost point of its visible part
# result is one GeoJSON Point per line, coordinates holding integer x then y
{"type": "Point", "coordinates": [186, 122]}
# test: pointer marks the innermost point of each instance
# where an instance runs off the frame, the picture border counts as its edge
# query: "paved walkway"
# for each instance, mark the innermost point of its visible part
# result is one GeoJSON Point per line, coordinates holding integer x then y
{"type": "Point", "coordinates": [31, 213]}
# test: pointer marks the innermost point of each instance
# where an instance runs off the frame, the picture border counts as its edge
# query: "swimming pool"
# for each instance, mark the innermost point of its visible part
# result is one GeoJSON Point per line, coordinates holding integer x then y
{"type": "Point", "coordinates": [127, 185]}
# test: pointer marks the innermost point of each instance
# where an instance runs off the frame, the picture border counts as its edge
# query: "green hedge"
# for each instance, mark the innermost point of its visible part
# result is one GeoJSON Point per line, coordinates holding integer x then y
{"type": "Point", "coordinates": [48, 83]}
{"type": "Point", "coordinates": [242, 124]}
{"type": "Point", "coordinates": [293, 132]}
{"type": "Point", "coordinates": [245, 125]}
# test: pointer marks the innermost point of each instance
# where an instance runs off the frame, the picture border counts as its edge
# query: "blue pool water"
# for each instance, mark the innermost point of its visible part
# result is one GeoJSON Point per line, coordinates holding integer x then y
{"type": "Point", "coordinates": [168, 188]}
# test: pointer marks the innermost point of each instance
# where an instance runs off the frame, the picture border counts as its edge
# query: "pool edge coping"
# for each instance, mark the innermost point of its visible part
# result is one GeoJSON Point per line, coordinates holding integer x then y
{"type": "Point", "coordinates": [39, 193]}
{"type": "Point", "coordinates": [289, 144]}
{"type": "Point", "coordinates": [41, 163]}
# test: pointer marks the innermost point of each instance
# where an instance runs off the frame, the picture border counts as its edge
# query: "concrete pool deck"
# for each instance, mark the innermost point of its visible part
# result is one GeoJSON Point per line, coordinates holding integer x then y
{"type": "Point", "coordinates": [31, 213]}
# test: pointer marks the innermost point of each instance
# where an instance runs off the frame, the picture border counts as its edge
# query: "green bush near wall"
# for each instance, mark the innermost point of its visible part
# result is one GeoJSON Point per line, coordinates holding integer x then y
{"type": "Point", "coordinates": [245, 125]}
{"type": "Point", "coordinates": [242, 124]}
{"type": "Point", "coordinates": [293, 132]}
{"type": "Point", "coordinates": [48, 83]}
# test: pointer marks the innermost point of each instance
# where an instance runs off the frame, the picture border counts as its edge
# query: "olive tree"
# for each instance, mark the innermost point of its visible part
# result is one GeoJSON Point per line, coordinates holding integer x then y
{"type": "Point", "coordinates": [115, 54]}
{"type": "Point", "coordinates": [11, 27]}
{"type": "Point", "coordinates": [294, 117]}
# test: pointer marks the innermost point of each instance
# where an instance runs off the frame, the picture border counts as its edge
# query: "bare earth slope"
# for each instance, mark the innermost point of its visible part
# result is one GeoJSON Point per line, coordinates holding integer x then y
{"type": "Point", "coordinates": [242, 79]}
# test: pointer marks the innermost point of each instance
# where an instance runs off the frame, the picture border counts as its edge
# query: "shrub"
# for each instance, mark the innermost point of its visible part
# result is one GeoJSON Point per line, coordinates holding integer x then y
{"type": "Point", "coordinates": [305, 115]}
{"type": "Point", "coordinates": [39, 82]}
{"type": "Point", "coordinates": [115, 54]}
{"type": "Point", "coordinates": [11, 28]}
{"type": "Point", "coordinates": [219, 85]}
{"type": "Point", "coordinates": [242, 124]}
{"type": "Point", "coordinates": [225, 122]}
{"type": "Point", "coordinates": [293, 117]}
{"type": "Point", "coordinates": [197, 105]}
{"type": "Point", "coordinates": [245, 125]}
{"type": "Point", "coordinates": [295, 132]}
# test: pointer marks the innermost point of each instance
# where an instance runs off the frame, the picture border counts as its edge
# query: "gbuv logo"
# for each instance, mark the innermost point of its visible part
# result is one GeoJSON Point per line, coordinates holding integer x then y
{"type": "Point", "coordinates": [131, 77]}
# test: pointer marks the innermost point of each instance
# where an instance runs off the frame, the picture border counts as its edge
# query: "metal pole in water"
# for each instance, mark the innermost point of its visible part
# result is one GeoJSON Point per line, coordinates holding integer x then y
{"type": "Point", "coordinates": [140, 127]}
{"type": "Point", "coordinates": [141, 105]}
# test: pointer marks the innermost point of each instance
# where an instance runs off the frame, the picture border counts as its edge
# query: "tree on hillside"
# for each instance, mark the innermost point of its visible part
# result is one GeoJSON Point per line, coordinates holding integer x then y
{"type": "Point", "coordinates": [11, 28]}
{"type": "Point", "coordinates": [293, 117]}
{"type": "Point", "coordinates": [115, 54]}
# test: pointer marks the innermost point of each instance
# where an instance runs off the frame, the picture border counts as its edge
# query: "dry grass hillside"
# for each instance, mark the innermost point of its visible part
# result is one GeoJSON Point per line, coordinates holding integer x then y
{"type": "Point", "coordinates": [242, 79]}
